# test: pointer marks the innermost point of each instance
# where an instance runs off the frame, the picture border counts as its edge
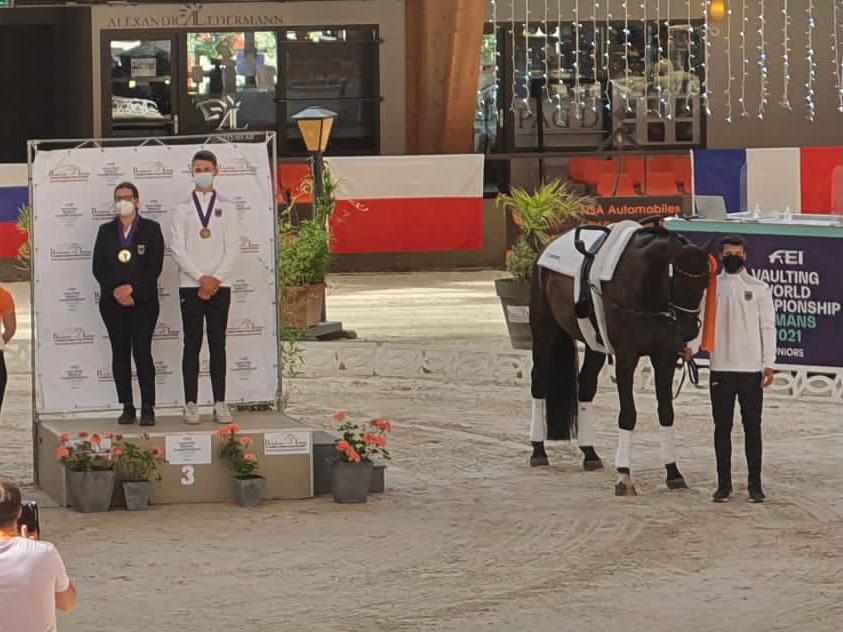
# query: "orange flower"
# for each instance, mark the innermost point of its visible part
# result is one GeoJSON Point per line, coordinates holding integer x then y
{"type": "Point", "coordinates": [251, 458]}
{"type": "Point", "coordinates": [234, 428]}
{"type": "Point", "coordinates": [62, 453]}
{"type": "Point", "coordinates": [353, 455]}
{"type": "Point", "coordinates": [157, 452]}
{"type": "Point", "coordinates": [341, 416]}
{"type": "Point", "coordinates": [117, 451]}
{"type": "Point", "coordinates": [96, 439]}
{"type": "Point", "coordinates": [370, 439]}
{"type": "Point", "coordinates": [64, 438]}
{"type": "Point", "coordinates": [382, 425]}
{"type": "Point", "coordinates": [245, 441]}
{"type": "Point", "coordinates": [342, 446]}
{"type": "Point", "coordinates": [83, 435]}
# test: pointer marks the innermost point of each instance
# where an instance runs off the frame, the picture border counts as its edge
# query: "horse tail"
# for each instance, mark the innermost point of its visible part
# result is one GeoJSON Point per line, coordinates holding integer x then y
{"type": "Point", "coordinates": [555, 365]}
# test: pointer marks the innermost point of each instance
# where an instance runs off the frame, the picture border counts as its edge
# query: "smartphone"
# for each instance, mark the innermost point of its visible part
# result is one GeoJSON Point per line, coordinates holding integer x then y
{"type": "Point", "coordinates": [30, 518]}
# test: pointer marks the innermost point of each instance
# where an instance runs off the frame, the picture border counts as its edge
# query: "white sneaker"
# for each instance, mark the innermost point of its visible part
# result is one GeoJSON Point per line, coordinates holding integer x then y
{"type": "Point", "coordinates": [191, 414]}
{"type": "Point", "coordinates": [221, 413]}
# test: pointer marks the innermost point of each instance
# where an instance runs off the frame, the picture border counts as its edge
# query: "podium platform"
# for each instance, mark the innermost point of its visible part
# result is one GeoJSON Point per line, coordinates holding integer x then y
{"type": "Point", "coordinates": [284, 449]}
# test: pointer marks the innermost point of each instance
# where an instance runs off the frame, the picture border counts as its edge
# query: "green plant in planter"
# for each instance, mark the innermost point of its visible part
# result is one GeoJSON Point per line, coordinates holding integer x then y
{"type": "Point", "coordinates": [244, 464]}
{"type": "Point", "coordinates": [137, 464]}
{"type": "Point", "coordinates": [24, 225]}
{"type": "Point", "coordinates": [539, 216]}
{"type": "Point", "coordinates": [305, 254]}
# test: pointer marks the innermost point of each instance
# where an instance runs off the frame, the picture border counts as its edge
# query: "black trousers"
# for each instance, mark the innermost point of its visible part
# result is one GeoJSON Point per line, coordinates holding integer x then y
{"type": "Point", "coordinates": [725, 388]}
{"type": "Point", "coordinates": [196, 313]}
{"type": "Point", "coordinates": [130, 331]}
{"type": "Point", "coordinates": [2, 378]}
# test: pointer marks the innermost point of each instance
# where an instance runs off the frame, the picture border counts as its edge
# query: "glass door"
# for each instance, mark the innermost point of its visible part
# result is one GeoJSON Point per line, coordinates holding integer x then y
{"type": "Point", "coordinates": [230, 81]}
{"type": "Point", "coordinates": [139, 84]}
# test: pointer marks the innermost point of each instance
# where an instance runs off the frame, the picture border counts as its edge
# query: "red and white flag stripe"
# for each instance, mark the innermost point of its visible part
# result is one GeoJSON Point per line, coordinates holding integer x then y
{"type": "Point", "coordinates": [408, 203]}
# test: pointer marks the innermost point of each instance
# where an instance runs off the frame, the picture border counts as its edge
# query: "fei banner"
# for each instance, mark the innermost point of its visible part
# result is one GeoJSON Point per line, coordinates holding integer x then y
{"type": "Point", "coordinates": [802, 267]}
{"type": "Point", "coordinates": [72, 196]}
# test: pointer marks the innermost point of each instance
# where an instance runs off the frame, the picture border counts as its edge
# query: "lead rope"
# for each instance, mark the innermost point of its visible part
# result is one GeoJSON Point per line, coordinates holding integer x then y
{"type": "Point", "coordinates": [692, 372]}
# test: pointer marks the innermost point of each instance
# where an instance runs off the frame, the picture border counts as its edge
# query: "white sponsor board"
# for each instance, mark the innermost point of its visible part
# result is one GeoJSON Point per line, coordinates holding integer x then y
{"type": "Point", "coordinates": [72, 196]}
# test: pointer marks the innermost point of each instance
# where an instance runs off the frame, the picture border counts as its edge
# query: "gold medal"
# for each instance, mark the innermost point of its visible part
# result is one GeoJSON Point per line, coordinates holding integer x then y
{"type": "Point", "coordinates": [205, 233]}
{"type": "Point", "coordinates": [124, 256]}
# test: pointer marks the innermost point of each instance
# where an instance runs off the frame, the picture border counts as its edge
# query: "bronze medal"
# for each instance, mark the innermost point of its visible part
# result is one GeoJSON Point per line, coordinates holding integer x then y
{"type": "Point", "coordinates": [124, 256]}
{"type": "Point", "coordinates": [205, 233]}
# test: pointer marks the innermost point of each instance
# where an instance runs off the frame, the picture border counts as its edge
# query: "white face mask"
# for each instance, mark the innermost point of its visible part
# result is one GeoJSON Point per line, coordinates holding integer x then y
{"type": "Point", "coordinates": [203, 180]}
{"type": "Point", "coordinates": [124, 207]}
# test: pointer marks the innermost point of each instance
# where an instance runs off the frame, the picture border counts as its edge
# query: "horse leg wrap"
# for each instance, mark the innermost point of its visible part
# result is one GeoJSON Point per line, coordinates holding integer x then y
{"type": "Point", "coordinates": [585, 425]}
{"type": "Point", "coordinates": [622, 457]}
{"type": "Point", "coordinates": [667, 435]}
{"type": "Point", "coordinates": [538, 421]}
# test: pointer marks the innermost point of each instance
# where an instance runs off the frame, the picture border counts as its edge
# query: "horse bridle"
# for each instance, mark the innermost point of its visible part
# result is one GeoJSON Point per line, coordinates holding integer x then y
{"type": "Point", "coordinates": [670, 314]}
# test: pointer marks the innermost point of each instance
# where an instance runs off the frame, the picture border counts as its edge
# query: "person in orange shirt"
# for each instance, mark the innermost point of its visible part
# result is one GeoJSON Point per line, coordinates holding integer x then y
{"type": "Point", "coordinates": [7, 330]}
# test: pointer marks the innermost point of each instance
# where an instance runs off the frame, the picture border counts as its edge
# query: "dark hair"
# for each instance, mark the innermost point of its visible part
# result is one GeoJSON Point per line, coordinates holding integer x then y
{"type": "Point", "coordinates": [732, 240]}
{"type": "Point", "coordinates": [127, 185]}
{"type": "Point", "coordinates": [10, 503]}
{"type": "Point", "coordinates": [204, 154]}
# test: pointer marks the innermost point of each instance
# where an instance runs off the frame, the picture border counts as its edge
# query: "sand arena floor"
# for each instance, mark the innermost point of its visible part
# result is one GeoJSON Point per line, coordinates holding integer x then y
{"type": "Point", "coordinates": [468, 537]}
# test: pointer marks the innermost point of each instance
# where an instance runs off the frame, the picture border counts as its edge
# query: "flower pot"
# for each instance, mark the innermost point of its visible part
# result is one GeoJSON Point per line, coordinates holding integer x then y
{"type": "Point", "coordinates": [515, 300]}
{"type": "Point", "coordinates": [377, 484]}
{"type": "Point", "coordinates": [350, 482]}
{"type": "Point", "coordinates": [324, 457]}
{"type": "Point", "coordinates": [248, 491]}
{"type": "Point", "coordinates": [91, 490]}
{"type": "Point", "coordinates": [301, 306]}
{"type": "Point", "coordinates": [137, 494]}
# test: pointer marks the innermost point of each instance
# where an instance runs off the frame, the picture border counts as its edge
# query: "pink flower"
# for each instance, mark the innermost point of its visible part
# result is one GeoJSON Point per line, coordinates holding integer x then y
{"type": "Point", "coordinates": [251, 458]}
{"type": "Point", "coordinates": [64, 438]}
{"type": "Point", "coordinates": [245, 441]}
{"type": "Point", "coordinates": [157, 452]}
{"type": "Point", "coordinates": [341, 417]}
{"type": "Point", "coordinates": [83, 435]}
{"type": "Point", "coordinates": [62, 453]}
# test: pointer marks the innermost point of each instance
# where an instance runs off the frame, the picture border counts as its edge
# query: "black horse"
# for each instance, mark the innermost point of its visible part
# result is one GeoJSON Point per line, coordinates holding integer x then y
{"type": "Point", "coordinates": [651, 307]}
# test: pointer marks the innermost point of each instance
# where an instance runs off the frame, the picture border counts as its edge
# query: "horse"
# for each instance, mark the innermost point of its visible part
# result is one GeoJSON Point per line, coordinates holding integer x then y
{"type": "Point", "coordinates": [652, 306]}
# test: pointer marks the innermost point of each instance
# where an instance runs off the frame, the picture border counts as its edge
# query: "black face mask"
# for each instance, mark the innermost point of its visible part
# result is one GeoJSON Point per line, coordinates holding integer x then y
{"type": "Point", "coordinates": [732, 263]}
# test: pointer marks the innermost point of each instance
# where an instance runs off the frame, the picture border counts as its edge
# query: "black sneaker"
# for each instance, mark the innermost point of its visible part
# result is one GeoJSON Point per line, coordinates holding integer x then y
{"type": "Point", "coordinates": [756, 494]}
{"type": "Point", "coordinates": [722, 494]}
{"type": "Point", "coordinates": [147, 416]}
{"type": "Point", "coordinates": [129, 415]}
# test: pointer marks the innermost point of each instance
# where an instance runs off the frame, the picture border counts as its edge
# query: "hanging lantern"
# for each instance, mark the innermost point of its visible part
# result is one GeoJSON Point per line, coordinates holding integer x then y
{"type": "Point", "coordinates": [718, 9]}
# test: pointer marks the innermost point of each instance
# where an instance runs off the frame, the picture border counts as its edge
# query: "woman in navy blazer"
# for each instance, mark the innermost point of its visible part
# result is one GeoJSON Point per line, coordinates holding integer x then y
{"type": "Point", "coordinates": [128, 257]}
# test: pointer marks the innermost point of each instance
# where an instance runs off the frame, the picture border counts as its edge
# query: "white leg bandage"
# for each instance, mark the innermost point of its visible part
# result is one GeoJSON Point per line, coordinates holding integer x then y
{"type": "Point", "coordinates": [538, 422]}
{"type": "Point", "coordinates": [622, 458]}
{"type": "Point", "coordinates": [586, 436]}
{"type": "Point", "coordinates": [667, 435]}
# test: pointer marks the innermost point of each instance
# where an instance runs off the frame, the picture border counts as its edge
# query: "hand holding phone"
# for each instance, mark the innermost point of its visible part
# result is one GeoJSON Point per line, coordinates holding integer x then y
{"type": "Point", "coordinates": [29, 523]}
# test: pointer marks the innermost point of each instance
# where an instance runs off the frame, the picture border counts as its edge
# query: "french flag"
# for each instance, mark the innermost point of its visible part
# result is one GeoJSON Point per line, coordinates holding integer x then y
{"type": "Point", "coordinates": [14, 193]}
{"type": "Point", "coordinates": [407, 204]}
{"type": "Point", "coordinates": [798, 179]}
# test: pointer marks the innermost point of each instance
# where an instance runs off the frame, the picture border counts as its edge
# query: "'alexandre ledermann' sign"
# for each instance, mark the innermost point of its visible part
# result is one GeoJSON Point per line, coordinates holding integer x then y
{"type": "Point", "coordinates": [195, 15]}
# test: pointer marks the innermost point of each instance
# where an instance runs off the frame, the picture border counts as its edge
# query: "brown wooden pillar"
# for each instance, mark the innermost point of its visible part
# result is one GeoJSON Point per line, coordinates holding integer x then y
{"type": "Point", "coordinates": [444, 41]}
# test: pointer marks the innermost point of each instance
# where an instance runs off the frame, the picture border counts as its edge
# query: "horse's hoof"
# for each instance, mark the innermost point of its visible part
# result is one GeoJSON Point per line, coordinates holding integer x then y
{"type": "Point", "coordinates": [622, 489]}
{"type": "Point", "coordinates": [677, 483]}
{"type": "Point", "coordinates": [538, 461]}
{"type": "Point", "coordinates": [592, 465]}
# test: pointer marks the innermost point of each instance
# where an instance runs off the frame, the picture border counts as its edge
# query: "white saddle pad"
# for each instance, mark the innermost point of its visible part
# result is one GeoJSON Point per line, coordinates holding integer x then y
{"type": "Point", "coordinates": [561, 256]}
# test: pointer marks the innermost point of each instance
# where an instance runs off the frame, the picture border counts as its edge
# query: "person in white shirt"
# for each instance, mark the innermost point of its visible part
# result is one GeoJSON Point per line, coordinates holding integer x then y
{"type": "Point", "coordinates": [741, 362]}
{"type": "Point", "coordinates": [33, 579]}
{"type": "Point", "coordinates": [204, 241]}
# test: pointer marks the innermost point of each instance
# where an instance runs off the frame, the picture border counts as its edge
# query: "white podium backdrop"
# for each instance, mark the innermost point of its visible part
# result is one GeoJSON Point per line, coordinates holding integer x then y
{"type": "Point", "coordinates": [72, 196]}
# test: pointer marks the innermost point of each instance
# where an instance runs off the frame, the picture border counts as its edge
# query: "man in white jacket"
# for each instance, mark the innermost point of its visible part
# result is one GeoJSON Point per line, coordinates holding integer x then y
{"type": "Point", "coordinates": [741, 363]}
{"type": "Point", "coordinates": [205, 241]}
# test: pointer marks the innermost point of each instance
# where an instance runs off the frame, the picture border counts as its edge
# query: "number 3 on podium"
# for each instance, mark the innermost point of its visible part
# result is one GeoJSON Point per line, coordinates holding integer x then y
{"type": "Point", "coordinates": [188, 477]}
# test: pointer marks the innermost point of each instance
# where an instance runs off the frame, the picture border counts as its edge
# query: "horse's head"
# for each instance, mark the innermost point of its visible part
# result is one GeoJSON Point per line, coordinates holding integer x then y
{"type": "Point", "coordinates": [691, 273]}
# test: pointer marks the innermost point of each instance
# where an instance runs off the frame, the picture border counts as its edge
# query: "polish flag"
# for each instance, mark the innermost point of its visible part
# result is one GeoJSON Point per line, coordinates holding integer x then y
{"type": "Point", "coordinates": [407, 204]}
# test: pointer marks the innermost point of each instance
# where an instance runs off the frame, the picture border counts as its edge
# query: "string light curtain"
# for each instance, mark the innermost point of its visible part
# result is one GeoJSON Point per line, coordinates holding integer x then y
{"type": "Point", "coordinates": [762, 58]}
{"type": "Point", "coordinates": [838, 60]}
{"type": "Point", "coordinates": [785, 102]}
{"type": "Point", "coordinates": [810, 97]}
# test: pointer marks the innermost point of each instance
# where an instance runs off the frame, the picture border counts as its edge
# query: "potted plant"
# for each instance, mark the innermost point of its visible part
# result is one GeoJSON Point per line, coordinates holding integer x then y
{"type": "Point", "coordinates": [304, 260]}
{"type": "Point", "coordinates": [552, 209]}
{"type": "Point", "coordinates": [136, 466]}
{"type": "Point", "coordinates": [90, 470]}
{"type": "Point", "coordinates": [351, 475]}
{"type": "Point", "coordinates": [248, 484]}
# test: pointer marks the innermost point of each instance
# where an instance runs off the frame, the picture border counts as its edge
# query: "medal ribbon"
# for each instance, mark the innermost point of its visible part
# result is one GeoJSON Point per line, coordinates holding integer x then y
{"type": "Point", "coordinates": [205, 218]}
{"type": "Point", "coordinates": [127, 238]}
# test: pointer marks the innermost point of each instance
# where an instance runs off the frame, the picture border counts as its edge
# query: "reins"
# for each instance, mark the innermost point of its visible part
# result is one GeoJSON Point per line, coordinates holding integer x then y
{"type": "Point", "coordinates": [692, 372]}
